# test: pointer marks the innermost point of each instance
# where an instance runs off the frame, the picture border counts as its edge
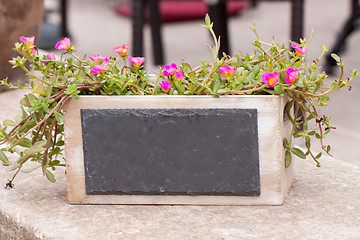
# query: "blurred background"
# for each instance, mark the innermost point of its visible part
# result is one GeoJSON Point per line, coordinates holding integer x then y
{"type": "Point", "coordinates": [96, 26]}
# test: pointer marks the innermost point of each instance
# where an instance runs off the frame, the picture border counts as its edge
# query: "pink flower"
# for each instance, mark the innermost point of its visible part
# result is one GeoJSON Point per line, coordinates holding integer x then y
{"type": "Point", "coordinates": [227, 70]}
{"type": "Point", "coordinates": [50, 56]}
{"type": "Point", "coordinates": [122, 50]}
{"type": "Point", "coordinates": [136, 61]}
{"type": "Point", "coordinates": [292, 74]}
{"type": "Point", "coordinates": [99, 68]}
{"type": "Point", "coordinates": [63, 44]}
{"type": "Point", "coordinates": [28, 41]}
{"type": "Point", "coordinates": [270, 79]}
{"type": "Point", "coordinates": [170, 70]}
{"type": "Point", "coordinates": [165, 85]}
{"type": "Point", "coordinates": [299, 50]}
{"type": "Point", "coordinates": [97, 58]}
{"type": "Point", "coordinates": [179, 75]}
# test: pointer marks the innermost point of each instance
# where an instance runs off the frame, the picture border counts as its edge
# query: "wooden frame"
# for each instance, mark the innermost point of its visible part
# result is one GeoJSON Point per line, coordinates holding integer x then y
{"type": "Point", "coordinates": [275, 179]}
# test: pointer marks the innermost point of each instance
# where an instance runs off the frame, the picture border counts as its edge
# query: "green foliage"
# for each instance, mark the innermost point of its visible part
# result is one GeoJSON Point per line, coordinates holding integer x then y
{"type": "Point", "coordinates": [37, 133]}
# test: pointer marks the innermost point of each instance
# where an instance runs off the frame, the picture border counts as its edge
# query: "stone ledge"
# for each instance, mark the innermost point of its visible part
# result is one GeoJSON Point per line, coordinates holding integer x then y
{"type": "Point", "coordinates": [12, 230]}
{"type": "Point", "coordinates": [323, 204]}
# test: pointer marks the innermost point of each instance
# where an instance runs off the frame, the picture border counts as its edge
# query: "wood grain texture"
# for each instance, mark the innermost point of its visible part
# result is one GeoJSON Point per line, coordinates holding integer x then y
{"type": "Point", "coordinates": [275, 179]}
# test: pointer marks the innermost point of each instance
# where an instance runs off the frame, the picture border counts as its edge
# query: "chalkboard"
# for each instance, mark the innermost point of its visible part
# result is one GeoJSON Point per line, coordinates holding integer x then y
{"type": "Point", "coordinates": [171, 151]}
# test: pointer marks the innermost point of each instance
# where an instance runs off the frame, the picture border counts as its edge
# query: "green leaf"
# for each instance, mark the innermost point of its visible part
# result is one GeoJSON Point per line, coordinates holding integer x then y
{"type": "Point", "coordinates": [307, 142]}
{"type": "Point", "coordinates": [297, 64]}
{"type": "Point", "coordinates": [55, 162]}
{"type": "Point", "coordinates": [4, 159]}
{"type": "Point", "coordinates": [207, 20]}
{"type": "Point", "coordinates": [333, 86]}
{"type": "Point", "coordinates": [25, 143]}
{"type": "Point", "coordinates": [214, 54]}
{"type": "Point", "coordinates": [40, 143]}
{"type": "Point", "coordinates": [287, 158]}
{"type": "Point", "coordinates": [18, 119]}
{"type": "Point", "coordinates": [9, 122]}
{"type": "Point", "coordinates": [27, 170]}
{"type": "Point", "coordinates": [309, 117]}
{"type": "Point", "coordinates": [60, 143]}
{"type": "Point", "coordinates": [278, 89]}
{"type": "Point", "coordinates": [31, 97]}
{"type": "Point", "coordinates": [80, 76]}
{"type": "Point", "coordinates": [49, 175]}
{"type": "Point", "coordinates": [13, 167]}
{"type": "Point", "coordinates": [23, 112]}
{"type": "Point", "coordinates": [318, 156]}
{"type": "Point", "coordinates": [25, 102]}
{"type": "Point", "coordinates": [217, 86]}
{"type": "Point", "coordinates": [59, 117]}
{"type": "Point", "coordinates": [33, 150]}
{"type": "Point", "coordinates": [328, 148]}
{"type": "Point", "coordinates": [327, 131]}
{"type": "Point", "coordinates": [298, 153]}
{"type": "Point", "coordinates": [311, 133]}
{"type": "Point", "coordinates": [238, 87]}
{"type": "Point", "coordinates": [336, 57]}
{"type": "Point", "coordinates": [48, 91]}
{"type": "Point", "coordinates": [286, 143]}
{"type": "Point", "coordinates": [39, 89]}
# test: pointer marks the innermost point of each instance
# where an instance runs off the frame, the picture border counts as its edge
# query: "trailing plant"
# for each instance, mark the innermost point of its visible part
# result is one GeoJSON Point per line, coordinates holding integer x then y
{"type": "Point", "coordinates": [36, 134]}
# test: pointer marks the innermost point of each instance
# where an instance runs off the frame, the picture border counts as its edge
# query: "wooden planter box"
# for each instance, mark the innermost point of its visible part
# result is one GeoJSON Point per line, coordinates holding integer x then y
{"type": "Point", "coordinates": [176, 150]}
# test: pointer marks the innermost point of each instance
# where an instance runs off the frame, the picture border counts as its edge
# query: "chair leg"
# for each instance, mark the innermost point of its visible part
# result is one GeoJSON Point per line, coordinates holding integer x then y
{"type": "Point", "coordinates": [138, 7]}
{"type": "Point", "coordinates": [218, 14]}
{"type": "Point", "coordinates": [297, 20]}
{"type": "Point", "coordinates": [63, 13]}
{"type": "Point", "coordinates": [348, 28]}
{"type": "Point", "coordinates": [155, 25]}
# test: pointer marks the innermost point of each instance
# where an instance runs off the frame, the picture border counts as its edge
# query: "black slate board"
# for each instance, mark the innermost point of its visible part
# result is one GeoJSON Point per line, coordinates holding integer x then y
{"type": "Point", "coordinates": [171, 151]}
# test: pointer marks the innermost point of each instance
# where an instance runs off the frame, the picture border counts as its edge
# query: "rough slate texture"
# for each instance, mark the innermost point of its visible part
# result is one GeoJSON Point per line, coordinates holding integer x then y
{"type": "Point", "coordinates": [171, 151]}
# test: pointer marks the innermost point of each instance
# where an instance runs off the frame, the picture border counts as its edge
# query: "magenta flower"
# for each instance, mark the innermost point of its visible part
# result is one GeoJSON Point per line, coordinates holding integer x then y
{"type": "Point", "coordinates": [179, 75]}
{"type": "Point", "coordinates": [28, 41]}
{"type": "Point", "coordinates": [50, 56]}
{"type": "Point", "coordinates": [63, 44]}
{"type": "Point", "coordinates": [165, 85]}
{"type": "Point", "coordinates": [227, 70]}
{"type": "Point", "coordinates": [97, 58]}
{"type": "Point", "coordinates": [270, 79]}
{"type": "Point", "coordinates": [170, 70]}
{"type": "Point", "coordinates": [99, 68]}
{"type": "Point", "coordinates": [299, 50]}
{"type": "Point", "coordinates": [136, 61]}
{"type": "Point", "coordinates": [291, 74]}
{"type": "Point", "coordinates": [122, 50]}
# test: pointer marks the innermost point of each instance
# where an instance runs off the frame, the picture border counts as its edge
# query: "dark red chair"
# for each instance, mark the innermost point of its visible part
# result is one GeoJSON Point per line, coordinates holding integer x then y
{"type": "Point", "coordinates": [218, 14]}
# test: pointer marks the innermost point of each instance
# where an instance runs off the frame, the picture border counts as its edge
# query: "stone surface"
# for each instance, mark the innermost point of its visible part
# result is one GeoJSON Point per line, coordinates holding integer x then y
{"type": "Point", "coordinates": [323, 204]}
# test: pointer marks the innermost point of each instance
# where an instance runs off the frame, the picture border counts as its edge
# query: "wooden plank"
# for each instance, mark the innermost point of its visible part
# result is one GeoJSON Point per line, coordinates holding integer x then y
{"type": "Point", "coordinates": [275, 179]}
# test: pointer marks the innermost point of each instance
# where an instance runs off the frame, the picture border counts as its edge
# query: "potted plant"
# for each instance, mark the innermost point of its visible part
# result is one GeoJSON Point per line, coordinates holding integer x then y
{"type": "Point", "coordinates": [220, 133]}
